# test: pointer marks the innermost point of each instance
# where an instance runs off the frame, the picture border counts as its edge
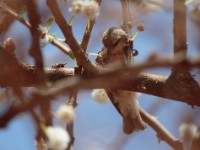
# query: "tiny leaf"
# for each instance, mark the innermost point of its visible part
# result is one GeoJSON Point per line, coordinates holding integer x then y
{"type": "Point", "coordinates": [49, 21]}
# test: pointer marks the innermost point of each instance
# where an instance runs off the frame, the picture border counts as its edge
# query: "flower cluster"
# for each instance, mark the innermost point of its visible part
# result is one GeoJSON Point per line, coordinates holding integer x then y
{"type": "Point", "coordinates": [65, 113]}
{"type": "Point", "coordinates": [100, 96]}
{"type": "Point", "coordinates": [58, 138]}
{"type": "Point", "coordinates": [88, 8]}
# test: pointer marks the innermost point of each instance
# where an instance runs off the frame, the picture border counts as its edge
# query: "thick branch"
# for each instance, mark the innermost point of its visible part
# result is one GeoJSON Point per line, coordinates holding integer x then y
{"type": "Point", "coordinates": [157, 85]}
{"type": "Point", "coordinates": [180, 88]}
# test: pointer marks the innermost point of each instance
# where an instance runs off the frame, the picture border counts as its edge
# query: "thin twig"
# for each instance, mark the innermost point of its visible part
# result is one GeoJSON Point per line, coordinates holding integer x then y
{"type": "Point", "coordinates": [63, 48]}
{"type": "Point", "coordinates": [87, 33]}
{"type": "Point", "coordinates": [70, 127]}
{"type": "Point", "coordinates": [70, 39]}
{"type": "Point", "coordinates": [162, 133]}
{"type": "Point", "coordinates": [11, 12]}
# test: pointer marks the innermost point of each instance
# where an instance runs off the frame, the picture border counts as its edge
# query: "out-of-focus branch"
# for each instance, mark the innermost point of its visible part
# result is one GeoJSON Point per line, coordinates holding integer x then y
{"type": "Point", "coordinates": [127, 27]}
{"type": "Point", "coordinates": [125, 13]}
{"type": "Point", "coordinates": [7, 20]}
{"type": "Point", "coordinates": [70, 127]}
{"type": "Point", "coordinates": [11, 12]}
{"type": "Point", "coordinates": [184, 89]}
{"type": "Point", "coordinates": [161, 86]}
{"type": "Point", "coordinates": [73, 102]}
{"type": "Point", "coordinates": [70, 39]}
{"type": "Point", "coordinates": [15, 110]}
{"type": "Point", "coordinates": [19, 94]}
{"type": "Point", "coordinates": [162, 133]}
{"type": "Point", "coordinates": [179, 28]}
{"type": "Point", "coordinates": [179, 25]}
{"type": "Point", "coordinates": [35, 50]}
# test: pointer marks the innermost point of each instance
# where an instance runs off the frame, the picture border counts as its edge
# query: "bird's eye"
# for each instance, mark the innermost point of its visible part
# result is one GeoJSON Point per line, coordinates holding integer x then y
{"type": "Point", "coordinates": [135, 52]}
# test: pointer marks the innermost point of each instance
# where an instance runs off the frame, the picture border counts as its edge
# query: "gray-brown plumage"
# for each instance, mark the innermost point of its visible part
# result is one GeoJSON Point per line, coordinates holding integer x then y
{"type": "Point", "coordinates": [113, 56]}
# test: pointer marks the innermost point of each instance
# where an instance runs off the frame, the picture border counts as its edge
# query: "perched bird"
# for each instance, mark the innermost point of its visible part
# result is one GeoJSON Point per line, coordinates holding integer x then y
{"type": "Point", "coordinates": [113, 55]}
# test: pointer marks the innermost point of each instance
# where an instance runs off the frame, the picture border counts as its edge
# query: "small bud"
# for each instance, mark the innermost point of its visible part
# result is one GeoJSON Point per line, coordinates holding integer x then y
{"type": "Point", "coordinates": [65, 113]}
{"type": "Point", "coordinates": [9, 45]}
{"type": "Point", "coordinates": [140, 27]}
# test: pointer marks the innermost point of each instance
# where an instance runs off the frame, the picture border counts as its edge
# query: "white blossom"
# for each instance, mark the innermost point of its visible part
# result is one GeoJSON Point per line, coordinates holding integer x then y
{"type": "Point", "coordinates": [58, 138]}
{"type": "Point", "coordinates": [187, 131]}
{"type": "Point", "coordinates": [65, 113]}
{"type": "Point", "coordinates": [100, 96]}
{"type": "Point", "coordinates": [90, 9]}
{"type": "Point", "coordinates": [76, 7]}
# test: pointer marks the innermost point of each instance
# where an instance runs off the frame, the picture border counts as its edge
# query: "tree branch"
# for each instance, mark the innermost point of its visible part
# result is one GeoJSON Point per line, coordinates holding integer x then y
{"type": "Point", "coordinates": [162, 133]}
{"type": "Point", "coordinates": [70, 39]}
{"type": "Point", "coordinates": [179, 28]}
{"type": "Point", "coordinates": [35, 50]}
{"type": "Point", "coordinates": [162, 86]}
{"type": "Point", "coordinates": [181, 88]}
{"type": "Point", "coordinates": [87, 33]}
{"type": "Point", "coordinates": [179, 24]}
{"type": "Point", "coordinates": [11, 12]}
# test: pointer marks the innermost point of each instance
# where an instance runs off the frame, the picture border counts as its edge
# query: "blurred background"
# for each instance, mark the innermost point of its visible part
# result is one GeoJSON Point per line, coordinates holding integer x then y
{"type": "Point", "coordinates": [99, 126]}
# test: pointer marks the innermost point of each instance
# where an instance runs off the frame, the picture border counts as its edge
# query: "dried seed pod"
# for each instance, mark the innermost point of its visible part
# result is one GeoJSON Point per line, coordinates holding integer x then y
{"type": "Point", "coordinates": [130, 24]}
{"type": "Point", "coordinates": [140, 27]}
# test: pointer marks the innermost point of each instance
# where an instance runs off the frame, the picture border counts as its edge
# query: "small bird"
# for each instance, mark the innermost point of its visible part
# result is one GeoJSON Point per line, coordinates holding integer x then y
{"type": "Point", "coordinates": [113, 55]}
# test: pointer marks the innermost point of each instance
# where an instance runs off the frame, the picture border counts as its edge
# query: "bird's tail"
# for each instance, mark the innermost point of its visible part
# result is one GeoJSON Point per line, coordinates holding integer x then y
{"type": "Point", "coordinates": [131, 124]}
